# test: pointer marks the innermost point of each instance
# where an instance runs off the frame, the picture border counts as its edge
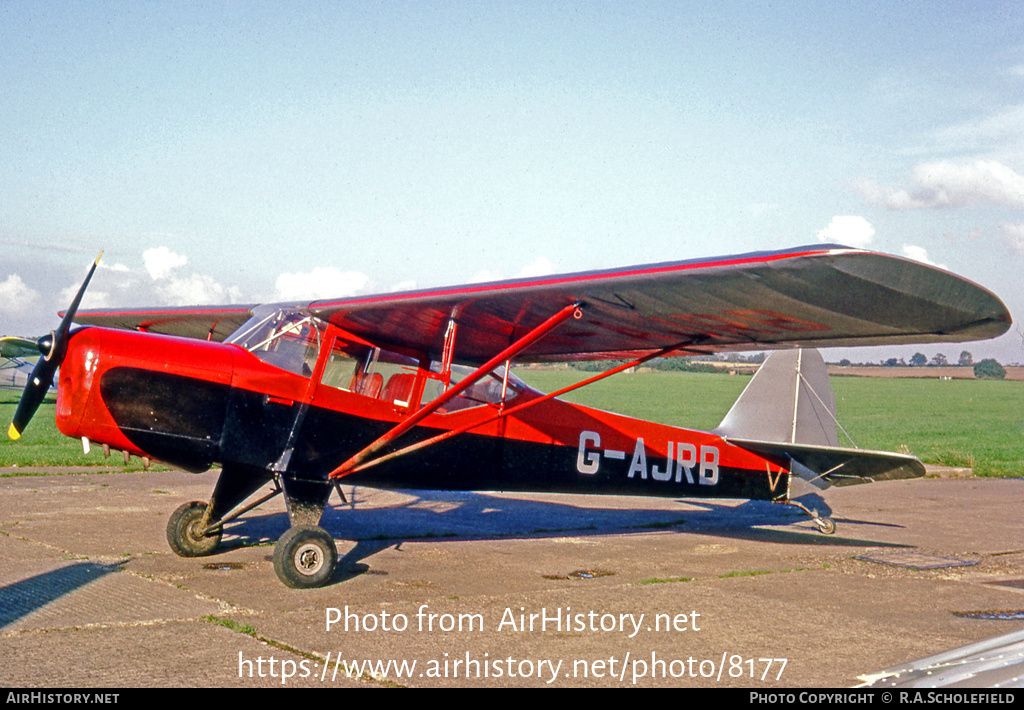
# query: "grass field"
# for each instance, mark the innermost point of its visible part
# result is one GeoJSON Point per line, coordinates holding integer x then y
{"type": "Point", "coordinates": [976, 423]}
{"type": "Point", "coordinates": [42, 445]}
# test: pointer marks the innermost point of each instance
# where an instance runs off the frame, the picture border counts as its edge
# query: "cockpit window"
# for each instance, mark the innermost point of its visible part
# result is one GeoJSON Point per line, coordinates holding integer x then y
{"type": "Point", "coordinates": [286, 339]}
{"type": "Point", "coordinates": [291, 339]}
{"type": "Point", "coordinates": [344, 367]}
{"type": "Point", "coordinates": [372, 372]}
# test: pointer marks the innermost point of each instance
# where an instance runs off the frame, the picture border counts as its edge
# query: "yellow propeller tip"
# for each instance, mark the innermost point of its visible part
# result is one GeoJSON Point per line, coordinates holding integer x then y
{"type": "Point", "coordinates": [13, 432]}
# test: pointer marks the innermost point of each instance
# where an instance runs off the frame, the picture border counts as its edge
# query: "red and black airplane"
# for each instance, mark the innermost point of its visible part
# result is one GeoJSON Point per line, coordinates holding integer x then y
{"type": "Point", "coordinates": [414, 390]}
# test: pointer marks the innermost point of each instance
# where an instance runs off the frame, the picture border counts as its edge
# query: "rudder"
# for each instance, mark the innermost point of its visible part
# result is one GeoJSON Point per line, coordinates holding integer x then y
{"type": "Point", "coordinates": [789, 400]}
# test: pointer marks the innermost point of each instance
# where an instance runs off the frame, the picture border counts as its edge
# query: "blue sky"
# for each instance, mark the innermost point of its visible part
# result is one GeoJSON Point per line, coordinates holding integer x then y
{"type": "Point", "coordinates": [247, 151]}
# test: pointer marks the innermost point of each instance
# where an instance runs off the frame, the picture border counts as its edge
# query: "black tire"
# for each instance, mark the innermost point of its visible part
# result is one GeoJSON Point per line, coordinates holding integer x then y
{"type": "Point", "coordinates": [183, 531]}
{"type": "Point", "coordinates": [305, 557]}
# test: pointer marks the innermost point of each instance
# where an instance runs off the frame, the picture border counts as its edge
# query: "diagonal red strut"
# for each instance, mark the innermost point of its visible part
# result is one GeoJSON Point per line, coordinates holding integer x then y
{"type": "Point", "coordinates": [438, 438]}
{"type": "Point", "coordinates": [409, 422]}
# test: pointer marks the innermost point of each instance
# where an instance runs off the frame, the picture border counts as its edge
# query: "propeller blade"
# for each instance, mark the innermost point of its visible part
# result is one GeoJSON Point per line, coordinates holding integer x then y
{"type": "Point", "coordinates": [53, 348]}
{"type": "Point", "coordinates": [38, 385]}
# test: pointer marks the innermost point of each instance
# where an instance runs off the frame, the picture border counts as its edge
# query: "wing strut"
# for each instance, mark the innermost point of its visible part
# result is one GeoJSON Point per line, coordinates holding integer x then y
{"type": "Point", "coordinates": [504, 413]}
{"type": "Point", "coordinates": [572, 310]}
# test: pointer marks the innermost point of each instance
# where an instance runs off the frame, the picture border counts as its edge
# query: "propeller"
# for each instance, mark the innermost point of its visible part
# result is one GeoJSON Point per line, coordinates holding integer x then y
{"type": "Point", "coordinates": [53, 348]}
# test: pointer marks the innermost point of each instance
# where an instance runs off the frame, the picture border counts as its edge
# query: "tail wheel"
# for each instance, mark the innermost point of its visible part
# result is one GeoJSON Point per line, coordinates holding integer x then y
{"type": "Point", "coordinates": [305, 557]}
{"type": "Point", "coordinates": [185, 531]}
{"type": "Point", "coordinates": [825, 525]}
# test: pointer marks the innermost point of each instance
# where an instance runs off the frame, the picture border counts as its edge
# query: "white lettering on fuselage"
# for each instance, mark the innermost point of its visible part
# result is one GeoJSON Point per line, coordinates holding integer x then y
{"type": "Point", "coordinates": [680, 462]}
{"type": "Point", "coordinates": [588, 462]}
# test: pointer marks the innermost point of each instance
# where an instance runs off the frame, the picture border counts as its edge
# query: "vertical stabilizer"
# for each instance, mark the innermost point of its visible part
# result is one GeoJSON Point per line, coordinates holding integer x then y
{"type": "Point", "coordinates": [788, 400]}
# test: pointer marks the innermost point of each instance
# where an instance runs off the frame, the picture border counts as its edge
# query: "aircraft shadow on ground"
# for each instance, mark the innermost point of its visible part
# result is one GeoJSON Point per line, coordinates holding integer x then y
{"type": "Point", "coordinates": [21, 598]}
{"type": "Point", "coordinates": [447, 515]}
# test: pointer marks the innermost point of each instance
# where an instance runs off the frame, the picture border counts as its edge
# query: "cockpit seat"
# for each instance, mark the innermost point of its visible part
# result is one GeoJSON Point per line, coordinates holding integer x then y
{"type": "Point", "coordinates": [399, 389]}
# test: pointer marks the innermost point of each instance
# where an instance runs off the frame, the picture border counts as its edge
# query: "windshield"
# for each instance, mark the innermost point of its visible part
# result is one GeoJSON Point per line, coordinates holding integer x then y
{"type": "Point", "coordinates": [286, 339]}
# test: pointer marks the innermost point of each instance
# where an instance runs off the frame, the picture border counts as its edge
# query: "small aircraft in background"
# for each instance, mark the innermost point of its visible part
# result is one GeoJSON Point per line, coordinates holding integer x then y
{"type": "Point", "coordinates": [16, 355]}
{"type": "Point", "coordinates": [415, 389]}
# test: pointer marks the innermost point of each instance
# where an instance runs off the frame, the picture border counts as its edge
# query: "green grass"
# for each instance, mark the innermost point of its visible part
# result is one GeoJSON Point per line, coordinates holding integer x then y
{"type": "Point", "coordinates": [42, 445]}
{"type": "Point", "coordinates": [976, 423]}
{"type": "Point", "coordinates": [689, 399]}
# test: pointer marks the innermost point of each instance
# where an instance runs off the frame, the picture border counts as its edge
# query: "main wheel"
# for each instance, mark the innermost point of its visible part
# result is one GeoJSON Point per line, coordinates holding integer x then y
{"type": "Point", "coordinates": [183, 531]}
{"type": "Point", "coordinates": [305, 557]}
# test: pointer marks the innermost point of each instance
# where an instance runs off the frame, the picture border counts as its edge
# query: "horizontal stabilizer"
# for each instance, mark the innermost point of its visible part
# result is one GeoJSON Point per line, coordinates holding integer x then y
{"type": "Point", "coordinates": [788, 411]}
{"type": "Point", "coordinates": [823, 466]}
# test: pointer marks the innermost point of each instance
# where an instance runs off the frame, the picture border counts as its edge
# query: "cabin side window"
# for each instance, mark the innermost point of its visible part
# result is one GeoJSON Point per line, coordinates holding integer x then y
{"type": "Point", "coordinates": [343, 368]}
{"type": "Point", "coordinates": [372, 372]}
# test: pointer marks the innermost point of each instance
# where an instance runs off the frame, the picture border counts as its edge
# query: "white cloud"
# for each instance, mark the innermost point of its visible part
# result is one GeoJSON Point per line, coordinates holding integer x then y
{"type": "Point", "coordinates": [484, 276]}
{"type": "Point", "coordinates": [850, 231]}
{"type": "Point", "coordinates": [15, 296]}
{"type": "Point", "coordinates": [946, 184]}
{"type": "Point", "coordinates": [539, 267]}
{"type": "Point", "coordinates": [161, 261]}
{"type": "Point", "coordinates": [894, 199]}
{"type": "Point", "coordinates": [193, 289]}
{"type": "Point", "coordinates": [404, 286]}
{"type": "Point", "coordinates": [93, 298]}
{"type": "Point", "coordinates": [196, 289]}
{"type": "Point", "coordinates": [1013, 236]}
{"type": "Point", "coordinates": [321, 282]}
{"type": "Point", "coordinates": [920, 254]}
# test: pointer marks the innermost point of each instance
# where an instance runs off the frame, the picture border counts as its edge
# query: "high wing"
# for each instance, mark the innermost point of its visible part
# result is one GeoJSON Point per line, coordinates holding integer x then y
{"type": "Point", "coordinates": [12, 347]}
{"type": "Point", "coordinates": [202, 322]}
{"type": "Point", "coordinates": [817, 296]}
{"type": "Point", "coordinates": [14, 368]}
{"type": "Point", "coordinates": [812, 296]}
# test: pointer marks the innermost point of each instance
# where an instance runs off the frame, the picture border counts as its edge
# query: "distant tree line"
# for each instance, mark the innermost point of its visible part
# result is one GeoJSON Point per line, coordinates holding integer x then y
{"type": "Point", "coordinates": [674, 364]}
{"type": "Point", "coordinates": [940, 360]}
{"type": "Point", "coordinates": [986, 369]}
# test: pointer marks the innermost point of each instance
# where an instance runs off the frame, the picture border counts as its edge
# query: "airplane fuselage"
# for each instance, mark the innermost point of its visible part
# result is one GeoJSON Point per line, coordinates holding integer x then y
{"type": "Point", "coordinates": [195, 404]}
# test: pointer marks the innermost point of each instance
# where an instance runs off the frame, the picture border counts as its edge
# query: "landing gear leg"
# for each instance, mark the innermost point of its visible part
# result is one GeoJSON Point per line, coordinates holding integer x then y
{"type": "Point", "coordinates": [825, 525]}
{"type": "Point", "coordinates": [195, 529]}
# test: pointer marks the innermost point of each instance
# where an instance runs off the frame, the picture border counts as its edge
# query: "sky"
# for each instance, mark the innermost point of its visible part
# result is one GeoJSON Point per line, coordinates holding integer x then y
{"type": "Point", "coordinates": [239, 152]}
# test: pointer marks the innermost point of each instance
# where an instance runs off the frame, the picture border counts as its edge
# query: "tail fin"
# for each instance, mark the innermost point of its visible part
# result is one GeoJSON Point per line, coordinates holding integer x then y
{"type": "Point", "coordinates": [789, 400]}
{"type": "Point", "coordinates": [788, 410]}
